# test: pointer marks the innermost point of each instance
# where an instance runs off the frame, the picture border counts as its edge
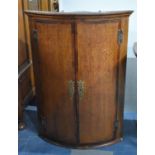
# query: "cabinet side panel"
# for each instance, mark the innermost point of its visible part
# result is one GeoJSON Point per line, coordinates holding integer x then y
{"type": "Point", "coordinates": [55, 70]}
{"type": "Point", "coordinates": [97, 68]}
{"type": "Point", "coordinates": [122, 73]}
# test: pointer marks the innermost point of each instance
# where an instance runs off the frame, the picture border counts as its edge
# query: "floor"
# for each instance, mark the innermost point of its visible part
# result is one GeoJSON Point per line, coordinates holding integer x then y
{"type": "Point", "coordinates": [31, 144]}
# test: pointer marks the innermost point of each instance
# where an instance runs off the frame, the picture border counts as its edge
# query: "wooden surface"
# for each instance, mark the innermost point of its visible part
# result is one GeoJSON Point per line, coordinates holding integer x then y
{"type": "Point", "coordinates": [24, 49]}
{"type": "Point", "coordinates": [58, 106]}
{"type": "Point", "coordinates": [24, 81]}
{"type": "Point", "coordinates": [25, 94]}
{"type": "Point", "coordinates": [79, 47]}
{"type": "Point", "coordinates": [23, 55]}
{"type": "Point", "coordinates": [33, 5]}
{"type": "Point", "coordinates": [80, 13]}
{"type": "Point", "coordinates": [97, 60]}
{"type": "Point", "coordinates": [43, 5]}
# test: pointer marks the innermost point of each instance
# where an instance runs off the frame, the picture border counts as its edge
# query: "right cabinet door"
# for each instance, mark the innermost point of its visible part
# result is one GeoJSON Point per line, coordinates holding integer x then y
{"type": "Point", "coordinates": [98, 54]}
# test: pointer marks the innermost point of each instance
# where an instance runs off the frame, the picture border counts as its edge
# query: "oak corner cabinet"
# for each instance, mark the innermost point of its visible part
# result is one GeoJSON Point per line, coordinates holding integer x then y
{"type": "Point", "coordinates": [79, 65]}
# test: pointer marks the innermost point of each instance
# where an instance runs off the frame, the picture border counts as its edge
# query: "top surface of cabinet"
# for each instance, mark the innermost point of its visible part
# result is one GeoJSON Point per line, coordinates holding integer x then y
{"type": "Point", "coordinates": [109, 13]}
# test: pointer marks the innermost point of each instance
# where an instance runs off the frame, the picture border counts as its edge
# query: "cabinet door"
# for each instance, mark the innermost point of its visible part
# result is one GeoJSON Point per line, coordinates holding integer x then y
{"type": "Point", "coordinates": [97, 71]}
{"type": "Point", "coordinates": [54, 71]}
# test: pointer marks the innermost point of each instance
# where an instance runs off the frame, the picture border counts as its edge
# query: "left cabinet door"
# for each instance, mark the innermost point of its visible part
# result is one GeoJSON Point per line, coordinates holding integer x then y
{"type": "Point", "coordinates": [54, 72]}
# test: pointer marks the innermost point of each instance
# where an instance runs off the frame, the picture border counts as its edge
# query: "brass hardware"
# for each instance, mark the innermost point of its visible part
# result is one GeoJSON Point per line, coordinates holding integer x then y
{"type": "Point", "coordinates": [35, 34]}
{"type": "Point", "coordinates": [120, 36]}
{"type": "Point", "coordinates": [43, 123]}
{"type": "Point", "coordinates": [116, 123]}
{"type": "Point", "coordinates": [71, 88]}
{"type": "Point", "coordinates": [80, 89]}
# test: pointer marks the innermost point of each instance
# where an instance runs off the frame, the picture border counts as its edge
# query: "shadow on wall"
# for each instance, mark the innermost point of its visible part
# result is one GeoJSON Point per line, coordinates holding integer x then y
{"type": "Point", "coordinates": [131, 86]}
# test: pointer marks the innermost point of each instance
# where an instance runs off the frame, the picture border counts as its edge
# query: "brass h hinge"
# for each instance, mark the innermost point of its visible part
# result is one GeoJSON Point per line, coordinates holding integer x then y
{"type": "Point", "coordinates": [116, 123]}
{"type": "Point", "coordinates": [120, 36]}
{"type": "Point", "coordinates": [35, 34]}
{"type": "Point", "coordinates": [43, 123]}
{"type": "Point", "coordinates": [71, 88]}
{"type": "Point", "coordinates": [80, 89]}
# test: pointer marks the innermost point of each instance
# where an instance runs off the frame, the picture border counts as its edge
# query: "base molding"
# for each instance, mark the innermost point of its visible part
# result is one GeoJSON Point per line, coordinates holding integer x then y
{"type": "Point", "coordinates": [82, 146]}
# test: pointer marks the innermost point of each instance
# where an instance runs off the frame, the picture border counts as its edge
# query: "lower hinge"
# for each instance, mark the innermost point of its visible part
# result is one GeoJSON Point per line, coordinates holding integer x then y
{"type": "Point", "coordinates": [116, 123]}
{"type": "Point", "coordinates": [43, 123]}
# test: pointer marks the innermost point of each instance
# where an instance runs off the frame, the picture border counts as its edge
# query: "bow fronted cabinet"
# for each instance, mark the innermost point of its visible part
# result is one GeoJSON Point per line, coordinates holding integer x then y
{"type": "Point", "coordinates": [79, 65]}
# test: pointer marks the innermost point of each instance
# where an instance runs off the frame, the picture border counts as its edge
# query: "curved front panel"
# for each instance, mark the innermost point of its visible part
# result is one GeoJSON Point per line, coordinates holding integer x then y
{"type": "Point", "coordinates": [98, 58]}
{"type": "Point", "coordinates": [55, 71]}
{"type": "Point", "coordinates": [79, 64]}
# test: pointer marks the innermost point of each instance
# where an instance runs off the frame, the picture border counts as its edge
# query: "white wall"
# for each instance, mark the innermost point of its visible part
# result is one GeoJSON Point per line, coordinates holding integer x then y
{"type": "Point", "coordinates": [106, 5]}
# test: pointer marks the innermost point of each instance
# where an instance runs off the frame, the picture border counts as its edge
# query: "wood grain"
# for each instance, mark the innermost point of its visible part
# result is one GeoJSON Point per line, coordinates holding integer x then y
{"type": "Point", "coordinates": [56, 70]}
{"type": "Point", "coordinates": [24, 83]}
{"type": "Point", "coordinates": [22, 49]}
{"type": "Point", "coordinates": [80, 47]}
{"type": "Point", "coordinates": [97, 59]}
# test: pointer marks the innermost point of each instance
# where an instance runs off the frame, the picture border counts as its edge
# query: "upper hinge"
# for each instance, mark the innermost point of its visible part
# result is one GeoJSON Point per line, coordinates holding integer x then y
{"type": "Point", "coordinates": [120, 36]}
